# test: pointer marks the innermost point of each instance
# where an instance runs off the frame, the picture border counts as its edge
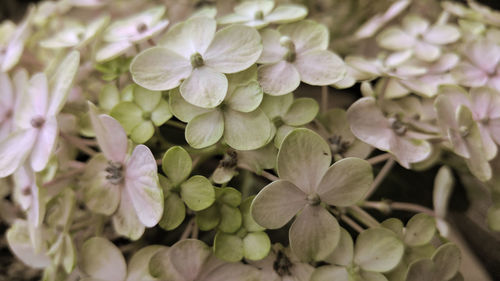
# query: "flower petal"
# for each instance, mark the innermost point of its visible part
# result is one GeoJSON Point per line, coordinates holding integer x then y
{"type": "Point", "coordinates": [110, 135]}
{"type": "Point", "coordinates": [314, 234]}
{"type": "Point", "coordinates": [234, 48]}
{"type": "Point", "coordinates": [301, 112]}
{"type": "Point", "coordinates": [138, 266]}
{"type": "Point", "coordinates": [307, 35]}
{"type": "Point", "coordinates": [246, 130]}
{"type": "Point", "coordinates": [159, 69]}
{"type": "Point", "coordinates": [279, 78]}
{"type": "Point", "coordinates": [141, 182]}
{"type": "Point", "coordinates": [112, 50]}
{"type": "Point", "coordinates": [20, 244]}
{"type": "Point", "coordinates": [277, 203]}
{"type": "Point", "coordinates": [395, 39]}
{"type": "Point", "coordinates": [345, 182]}
{"type": "Point", "coordinates": [312, 65]}
{"type": "Point", "coordinates": [182, 109]}
{"type": "Point", "coordinates": [246, 98]}
{"type": "Point", "coordinates": [206, 87]}
{"type": "Point", "coordinates": [15, 149]}
{"type": "Point", "coordinates": [101, 259]}
{"type": "Point", "coordinates": [442, 34]}
{"type": "Point", "coordinates": [205, 129]}
{"type": "Point", "coordinates": [249, 8]}
{"type": "Point", "coordinates": [378, 250]}
{"type": "Point", "coordinates": [188, 257]}
{"type": "Point", "coordinates": [198, 193]}
{"type": "Point", "coordinates": [272, 50]}
{"type": "Point", "coordinates": [44, 144]}
{"type": "Point", "coordinates": [303, 159]}
{"type": "Point", "coordinates": [426, 51]}
{"type": "Point", "coordinates": [287, 13]}
{"type": "Point", "coordinates": [125, 220]}
{"type": "Point", "coordinates": [142, 132]}
{"type": "Point", "coordinates": [484, 54]}
{"type": "Point", "coordinates": [189, 37]}
{"type": "Point", "coordinates": [61, 81]}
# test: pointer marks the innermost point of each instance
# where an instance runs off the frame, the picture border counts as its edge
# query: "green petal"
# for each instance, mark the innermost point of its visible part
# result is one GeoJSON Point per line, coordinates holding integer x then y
{"type": "Point", "coordinates": [228, 247]}
{"type": "Point", "coordinates": [138, 266]}
{"type": "Point", "coordinates": [208, 219]}
{"type": "Point", "coordinates": [421, 270]}
{"type": "Point", "coordinates": [125, 220]}
{"type": "Point", "coordinates": [222, 175]}
{"type": "Point", "coordinates": [101, 259]}
{"type": "Point", "coordinates": [303, 159]}
{"type": "Point", "coordinates": [301, 112]}
{"type": "Point", "coordinates": [256, 245]}
{"type": "Point", "coordinates": [174, 212]}
{"type": "Point", "coordinates": [146, 99]}
{"type": "Point", "coordinates": [344, 252]}
{"type": "Point", "coordinates": [159, 69]}
{"type": "Point", "coordinates": [346, 182]}
{"type": "Point", "coordinates": [206, 87]}
{"type": "Point", "coordinates": [198, 193]}
{"type": "Point", "coordinates": [277, 203]}
{"type": "Point", "coordinates": [248, 222]}
{"type": "Point", "coordinates": [419, 230]}
{"type": "Point", "coordinates": [395, 225]}
{"type": "Point", "coordinates": [246, 131]}
{"type": "Point", "coordinates": [205, 129]}
{"type": "Point", "coordinates": [279, 78]}
{"type": "Point", "coordinates": [234, 49]}
{"type": "Point", "coordinates": [378, 249]}
{"type": "Point", "coordinates": [19, 241]}
{"type": "Point", "coordinates": [246, 98]}
{"type": "Point", "coordinates": [330, 272]}
{"type": "Point", "coordinates": [142, 132]}
{"type": "Point", "coordinates": [229, 196]}
{"type": "Point", "coordinates": [314, 234]}
{"type": "Point", "coordinates": [307, 35]}
{"type": "Point", "coordinates": [177, 164]}
{"type": "Point", "coordinates": [230, 219]}
{"type": "Point", "coordinates": [109, 97]}
{"type": "Point", "coordinates": [161, 267]}
{"type": "Point", "coordinates": [276, 106]}
{"type": "Point", "coordinates": [312, 64]}
{"type": "Point", "coordinates": [182, 109]}
{"type": "Point", "coordinates": [128, 114]}
{"type": "Point", "coordinates": [281, 134]}
{"type": "Point", "coordinates": [161, 113]}
{"type": "Point", "coordinates": [447, 259]}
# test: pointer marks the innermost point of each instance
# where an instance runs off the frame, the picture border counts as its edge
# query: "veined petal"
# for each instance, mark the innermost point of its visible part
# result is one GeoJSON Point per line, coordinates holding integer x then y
{"type": "Point", "coordinates": [44, 144]}
{"type": "Point", "coordinates": [15, 149]}
{"type": "Point", "coordinates": [272, 50]}
{"type": "Point", "coordinates": [182, 109]}
{"type": "Point", "coordinates": [320, 67]}
{"type": "Point", "coordinates": [189, 37]}
{"type": "Point", "coordinates": [409, 150]}
{"type": "Point", "coordinates": [234, 48]}
{"type": "Point", "coordinates": [61, 81]}
{"type": "Point", "coordinates": [205, 129]}
{"type": "Point", "coordinates": [303, 159]}
{"type": "Point", "coordinates": [141, 182]}
{"type": "Point", "coordinates": [110, 135]}
{"type": "Point", "coordinates": [188, 257]}
{"type": "Point", "coordinates": [246, 98]}
{"type": "Point", "coordinates": [279, 78]}
{"type": "Point", "coordinates": [159, 69]}
{"type": "Point", "coordinates": [345, 182]}
{"type": "Point", "coordinates": [314, 234]}
{"type": "Point", "coordinates": [246, 130]}
{"type": "Point", "coordinates": [206, 87]}
{"type": "Point", "coordinates": [307, 35]}
{"type": "Point", "coordinates": [277, 203]}
{"type": "Point", "coordinates": [125, 220]}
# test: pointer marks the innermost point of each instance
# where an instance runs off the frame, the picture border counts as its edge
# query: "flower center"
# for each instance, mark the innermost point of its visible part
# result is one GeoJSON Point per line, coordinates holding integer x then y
{"type": "Point", "coordinates": [37, 122]}
{"type": "Point", "coordinates": [114, 172]}
{"type": "Point", "coordinates": [397, 126]}
{"type": "Point", "coordinates": [282, 264]}
{"type": "Point", "coordinates": [313, 199]}
{"type": "Point", "coordinates": [464, 131]}
{"type": "Point", "coordinates": [337, 145]}
{"type": "Point", "coordinates": [141, 27]}
{"type": "Point", "coordinates": [287, 43]}
{"type": "Point", "coordinates": [230, 159]}
{"type": "Point", "coordinates": [259, 15]}
{"type": "Point", "coordinates": [197, 60]}
{"type": "Point", "coordinates": [146, 115]}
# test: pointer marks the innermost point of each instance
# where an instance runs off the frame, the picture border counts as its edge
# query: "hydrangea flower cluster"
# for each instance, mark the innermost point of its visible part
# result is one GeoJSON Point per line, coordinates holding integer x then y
{"type": "Point", "coordinates": [137, 146]}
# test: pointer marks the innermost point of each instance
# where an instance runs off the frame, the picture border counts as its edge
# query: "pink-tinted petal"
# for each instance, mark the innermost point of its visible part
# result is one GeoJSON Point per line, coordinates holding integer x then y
{"type": "Point", "coordinates": [44, 144]}
{"type": "Point", "coordinates": [125, 220]}
{"type": "Point", "coordinates": [279, 78]}
{"type": "Point", "coordinates": [15, 149]}
{"type": "Point", "coordinates": [470, 75]}
{"type": "Point", "coordinates": [484, 54]}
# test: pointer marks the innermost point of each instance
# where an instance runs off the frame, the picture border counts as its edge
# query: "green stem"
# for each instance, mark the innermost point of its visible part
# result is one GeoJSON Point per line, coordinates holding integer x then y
{"type": "Point", "coordinates": [176, 124]}
{"type": "Point", "coordinates": [362, 216]}
{"type": "Point", "coordinates": [380, 177]}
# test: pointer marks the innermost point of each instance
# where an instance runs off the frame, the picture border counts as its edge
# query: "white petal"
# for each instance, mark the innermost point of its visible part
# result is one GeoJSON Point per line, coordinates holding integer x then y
{"type": "Point", "coordinates": [61, 81]}
{"type": "Point", "coordinates": [442, 34]}
{"type": "Point", "coordinates": [395, 39]}
{"type": "Point", "coordinates": [426, 51]}
{"type": "Point", "coordinates": [469, 75]}
{"type": "Point", "coordinates": [159, 69]}
{"type": "Point", "coordinates": [125, 220]}
{"type": "Point", "coordinates": [102, 260]}
{"type": "Point", "coordinates": [206, 87]}
{"type": "Point", "coordinates": [484, 54]}
{"type": "Point", "coordinates": [287, 13]}
{"type": "Point", "coordinates": [279, 78]}
{"type": "Point", "coordinates": [112, 50]}
{"type": "Point", "coordinates": [15, 149]}
{"type": "Point", "coordinates": [189, 37]}
{"type": "Point", "coordinates": [246, 130]}
{"type": "Point", "coordinates": [234, 48]}
{"type": "Point", "coordinates": [307, 35]}
{"type": "Point", "coordinates": [249, 8]}
{"type": "Point", "coordinates": [141, 182]}
{"type": "Point", "coordinates": [44, 144]}
{"type": "Point", "coordinates": [272, 50]}
{"type": "Point", "coordinates": [320, 67]}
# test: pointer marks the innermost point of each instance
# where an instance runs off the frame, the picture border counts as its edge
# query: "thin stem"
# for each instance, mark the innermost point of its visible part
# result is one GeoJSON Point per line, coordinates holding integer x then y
{"type": "Point", "coordinates": [187, 230]}
{"type": "Point", "coordinates": [77, 142]}
{"type": "Point", "coordinates": [379, 158]}
{"type": "Point", "coordinates": [195, 230]}
{"type": "Point", "coordinates": [380, 177]}
{"type": "Point", "coordinates": [403, 206]}
{"type": "Point", "coordinates": [176, 124]}
{"type": "Point", "coordinates": [264, 174]}
{"type": "Point", "coordinates": [351, 223]}
{"type": "Point", "coordinates": [324, 99]}
{"type": "Point", "coordinates": [68, 175]}
{"type": "Point", "coordinates": [362, 216]}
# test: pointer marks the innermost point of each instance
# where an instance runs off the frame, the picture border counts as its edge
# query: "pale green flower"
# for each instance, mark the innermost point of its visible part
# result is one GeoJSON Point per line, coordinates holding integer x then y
{"type": "Point", "coordinates": [12, 40]}
{"type": "Point", "coordinates": [297, 52]}
{"type": "Point", "coordinates": [261, 13]}
{"type": "Point", "coordinates": [75, 34]}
